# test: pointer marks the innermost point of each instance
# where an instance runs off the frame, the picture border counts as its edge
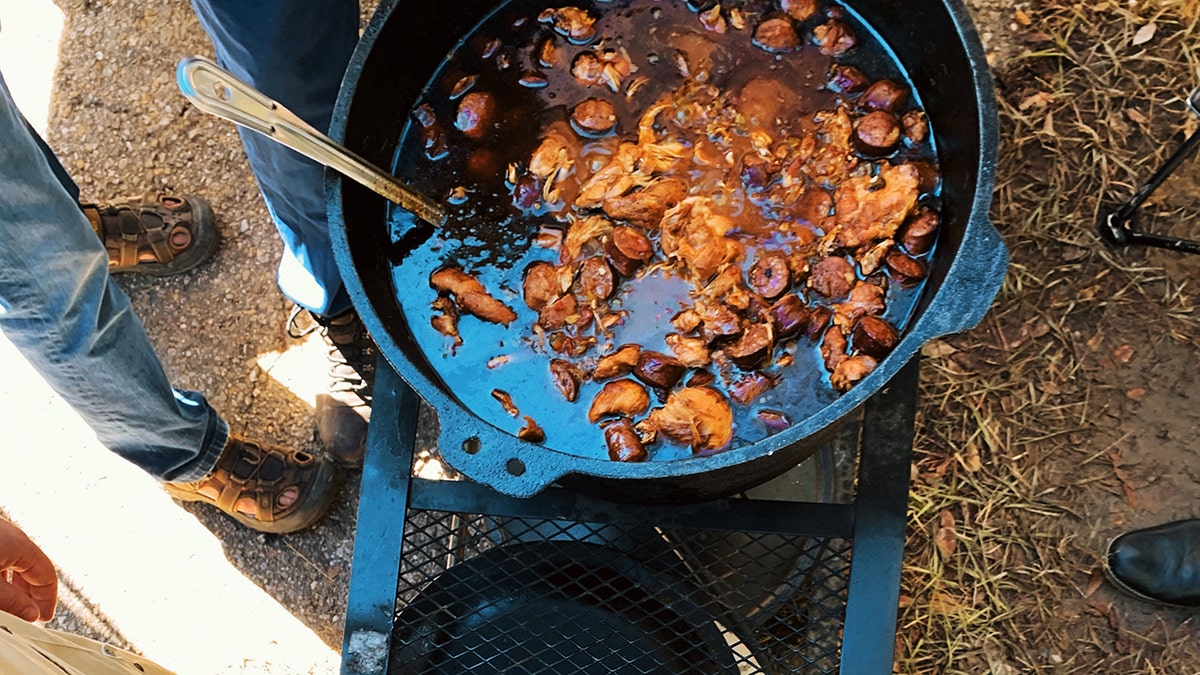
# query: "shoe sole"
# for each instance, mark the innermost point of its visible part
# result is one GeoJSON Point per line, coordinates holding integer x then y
{"type": "Point", "coordinates": [328, 477]}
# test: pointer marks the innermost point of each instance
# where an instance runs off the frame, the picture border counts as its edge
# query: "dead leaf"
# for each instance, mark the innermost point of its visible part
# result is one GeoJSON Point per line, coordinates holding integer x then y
{"type": "Point", "coordinates": [905, 601]}
{"type": "Point", "coordinates": [945, 538]}
{"type": "Point", "coordinates": [936, 349]}
{"type": "Point", "coordinates": [1136, 394]}
{"type": "Point", "coordinates": [1073, 253]}
{"type": "Point", "coordinates": [1048, 127]}
{"type": "Point", "coordinates": [1131, 497]}
{"type": "Point", "coordinates": [1049, 387]}
{"type": "Point", "coordinates": [1094, 580]}
{"type": "Point", "coordinates": [944, 603]}
{"type": "Point", "coordinates": [1136, 116]}
{"type": "Point", "coordinates": [970, 459]}
{"type": "Point", "coordinates": [1039, 100]}
{"type": "Point", "coordinates": [1038, 327]}
{"type": "Point", "coordinates": [1122, 354]}
{"type": "Point", "coordinates": [1144, 34]}
{"type": "Point", "coordinates": [1022, 18]}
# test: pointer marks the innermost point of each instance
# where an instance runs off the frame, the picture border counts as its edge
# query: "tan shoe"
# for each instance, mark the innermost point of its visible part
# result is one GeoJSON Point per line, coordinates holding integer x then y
{"type": "Point", "coordinates": [264, 488]}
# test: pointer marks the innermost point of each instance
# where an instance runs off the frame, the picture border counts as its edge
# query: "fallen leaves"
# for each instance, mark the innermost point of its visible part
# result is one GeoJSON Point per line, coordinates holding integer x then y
{"type": "Point", "coordinates": [1126, 485]}
{"type": "Point", "coordinates": [1095, 579]}
{"type": "Point", "coordinates": [1122, 354]}
{"type": "Point", "coordinates": [946, 538]}
{"type": "Point", "coordinates": [1144, 34]}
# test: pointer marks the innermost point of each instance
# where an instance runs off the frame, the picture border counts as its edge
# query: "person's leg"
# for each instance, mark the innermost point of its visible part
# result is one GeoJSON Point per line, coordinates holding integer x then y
{"type": "Point", "coordinates": [61, 309]}
{"type": "Point", "coordinates": [294, 51]}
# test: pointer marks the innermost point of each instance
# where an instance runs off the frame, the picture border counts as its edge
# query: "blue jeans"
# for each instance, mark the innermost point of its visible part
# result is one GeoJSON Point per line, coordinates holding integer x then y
{"type": "Point", "coordinates": [294, 51]}
{"type": "Point", "coordinates": [60, 307]}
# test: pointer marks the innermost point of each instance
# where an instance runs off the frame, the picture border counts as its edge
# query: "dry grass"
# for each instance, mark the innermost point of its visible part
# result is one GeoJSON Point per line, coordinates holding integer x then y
{"type": "Point", "coordinates": [1018, 431]}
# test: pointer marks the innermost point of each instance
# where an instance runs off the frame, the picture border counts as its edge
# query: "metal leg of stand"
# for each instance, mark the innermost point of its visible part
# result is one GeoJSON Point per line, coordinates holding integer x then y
{"type": "Point", "coordinates": [379, 536]}
{"type": "Point", "coordinates": [880, 512]}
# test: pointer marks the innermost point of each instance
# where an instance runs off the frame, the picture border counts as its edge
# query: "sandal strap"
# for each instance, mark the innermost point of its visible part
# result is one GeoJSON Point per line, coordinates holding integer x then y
{"type": "Point", "coordinates": [130, 225]}
{"type": "Point", "coordinates": [134, 223]}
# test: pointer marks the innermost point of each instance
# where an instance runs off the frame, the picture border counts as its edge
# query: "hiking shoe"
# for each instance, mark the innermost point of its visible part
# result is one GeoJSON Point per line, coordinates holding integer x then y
{"type": "Point", "coordinates": [265, 488]}
{"type": "Point", "coordinates": [344, 410]}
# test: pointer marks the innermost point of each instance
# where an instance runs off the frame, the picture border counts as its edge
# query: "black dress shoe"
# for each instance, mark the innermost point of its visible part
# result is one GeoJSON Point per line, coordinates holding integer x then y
{"type": "Point", "coordinates": [1160, 564]}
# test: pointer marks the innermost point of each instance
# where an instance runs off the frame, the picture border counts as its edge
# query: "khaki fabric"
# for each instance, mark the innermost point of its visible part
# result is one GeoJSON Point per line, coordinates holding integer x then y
{"type": "Point", "coordinates": [26, 649]}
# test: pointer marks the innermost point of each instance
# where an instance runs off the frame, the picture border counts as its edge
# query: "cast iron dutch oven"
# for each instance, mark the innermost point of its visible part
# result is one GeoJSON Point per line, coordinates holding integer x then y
{"type": "Point", "coordinates": [406, 40]}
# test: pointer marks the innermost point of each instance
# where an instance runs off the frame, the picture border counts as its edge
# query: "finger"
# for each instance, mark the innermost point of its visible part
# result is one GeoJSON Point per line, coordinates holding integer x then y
{"type": "Point", "coordinates": [13, 601]}
{"type": "Point", "coordinates": [45, 597]}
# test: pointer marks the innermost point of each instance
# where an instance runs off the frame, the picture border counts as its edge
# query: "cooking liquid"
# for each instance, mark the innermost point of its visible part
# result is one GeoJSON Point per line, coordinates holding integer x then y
{"type": "Point", "coordinates": [494, 241]}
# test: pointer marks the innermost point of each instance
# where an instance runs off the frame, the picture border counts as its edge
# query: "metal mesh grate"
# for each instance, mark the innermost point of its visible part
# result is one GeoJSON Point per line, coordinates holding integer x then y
{"type": "Point", "coordinates": [496, 594]}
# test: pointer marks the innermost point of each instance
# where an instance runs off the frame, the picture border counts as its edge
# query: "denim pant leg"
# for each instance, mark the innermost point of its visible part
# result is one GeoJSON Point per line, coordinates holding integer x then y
{"type": "Point", "coordinates": [62, 310]}
{"type": "Point", "coordinates": [294, 51]}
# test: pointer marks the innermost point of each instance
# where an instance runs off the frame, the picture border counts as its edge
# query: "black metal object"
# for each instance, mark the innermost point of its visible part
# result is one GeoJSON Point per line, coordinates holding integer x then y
{"type": "Point", "coordinates": [406, 41]}
{"type": "Point", "coordinates": [1115, 227]}
{"type": "Point", "coordinates": [453, 577]}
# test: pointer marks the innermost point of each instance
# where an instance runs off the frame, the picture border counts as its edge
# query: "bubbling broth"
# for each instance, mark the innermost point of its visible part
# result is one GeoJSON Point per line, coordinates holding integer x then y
{"type": "Point", "coordinates": [672, 230]}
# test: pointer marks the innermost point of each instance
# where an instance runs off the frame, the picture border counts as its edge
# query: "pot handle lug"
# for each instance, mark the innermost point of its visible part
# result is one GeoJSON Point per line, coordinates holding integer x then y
{"type": "Point", "coordinates": [506, 464]}
{"type": "Point", "coordinates": [972, 283]}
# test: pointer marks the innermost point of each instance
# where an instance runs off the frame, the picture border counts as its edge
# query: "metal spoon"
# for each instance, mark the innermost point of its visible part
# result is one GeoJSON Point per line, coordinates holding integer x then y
{"type": "Point", "coordinates": [217, 92]}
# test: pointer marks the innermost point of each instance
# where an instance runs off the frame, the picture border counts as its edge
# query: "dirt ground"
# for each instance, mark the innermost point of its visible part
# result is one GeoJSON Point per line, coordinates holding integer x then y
{"type": "Point", "coordinates": [1064, 419]}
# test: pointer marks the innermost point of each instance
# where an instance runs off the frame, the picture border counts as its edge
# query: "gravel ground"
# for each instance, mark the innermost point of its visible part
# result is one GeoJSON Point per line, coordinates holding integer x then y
{"type": "Point", "coordinates": [121, 127]}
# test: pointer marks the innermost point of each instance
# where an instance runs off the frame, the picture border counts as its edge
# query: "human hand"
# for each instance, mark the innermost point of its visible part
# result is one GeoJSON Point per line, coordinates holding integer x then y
{"type": "Point", "coordinates": [32, 591]}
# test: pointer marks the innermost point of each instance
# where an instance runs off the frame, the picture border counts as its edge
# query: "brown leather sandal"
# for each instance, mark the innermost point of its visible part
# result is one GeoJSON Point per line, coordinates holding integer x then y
{"type": "Point", "coordinates": [267, 489]}
{"type": "Point", "coordinates": [159, 235]}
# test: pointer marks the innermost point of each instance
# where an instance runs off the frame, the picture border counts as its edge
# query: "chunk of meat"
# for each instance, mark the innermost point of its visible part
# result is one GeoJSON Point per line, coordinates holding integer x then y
{"type": "Point", "coordinates": [572, 22]}
{"type": "Point", "coordinates": [555, 156]}
{"type": "Point", "coordinates": [800, 10]}
{"type": "Point", "coordinates": [619, 397]}
{"type": "Point", "coordinates": [691, 352]}
{"type": "Point", "coordinates": [875, 337]}
{"type": "Point", "coordinates": [850, 371]}
{"type": "Point", "coordinates": [541, 285]}
{"type": "Point", "coordinates": [753, 346]}
{"type": "Point", "coordinates": [916, 126]}
{"type": "Point", "coordinates": [718, 320]}
{"type": "Point", "coordinates": [619, 363]}
{"type": "Point", "coordinates": [870, 262]}
{"type": "Point", "coordinates": [832, 277]}
{"type": "Point", "coordinates": [506, 402]}
{"type": "Point", "coordinates": [486, 307]}
{"type": "Point", "coordinates": [588, 69]}
{"type": "Point", "coordinates": [887, 95]}
{"type": "Point", "coordinates": [694, 235]}
{"type": "Point", "coordinates": [686, 321]}
{"type": "Point", "coordinates": [776, 34]}
{"type": "Point", "coordinates": [864, 299]}
{"type": "Point", "coordinates": [628, 248]}
{"type": "Point", "coordinates": [658, 370]}
{"type": "Point", "coordinates": [476, 115]}
{"type": "Point", "coordinates": [769, 276]}
{"type": "Point", "coordinates": [789, 315]}
{"type": "Point", "coordinates": [826, 155]}
{"type": "Point", "coordinates": [605, 67]}
{"type": "Point", "coordinates": [566, 376]}
{"type": "Point", "coordinates": [455, 281]}
{"type": "Point", "coordinates": [594, 116]}
{"type": "Point", "coordinates": [580, 233]}
{"type": "Point", "coordinates": [905, 270]}
{"type": "Point", "coordinates": [446, 323]}
{"type": "Point", "coordinates": [549, 54]}
{"type": "Point", "coordinates": [701, 378]}
{"type": "Point", "coordinates": [531, 431]}
{"type": "Point", "coordinates": [712, 20]}
{"type": "Point", "coordinates": [728, 287]}
{"type": "Point", "coordinates": [833, 348]}
{"type": "Point", "coordinates": [699, 417]}
{"type": "Point", "coordinates": [869, 208]}
{"type": "Point", "coordinates": [877, 133]}
{"type": "Point", "coordinates": [818, 319]}
{"type": "Point", "coordinates": [623, 442]}
{"type": "Point", "coordinates": [596, 279]}
{"type": "Point", "coordinates": [646, 207]}
{"type": "Point", "coordinates": [749, 387]}
{"type": "Point", "coordinates": [834, 38]}
{"type": "Point", "coordinates": [561, 312]}
{"type": "Point", "coordinates": [757, 172]}
{"type": "Point", "coordinates": [613, 179]}
{"type": "Point", "coordinates": [847, 79]}
{"type": "Point", "coordinates": [815, 207]}
{"type": "Point", "coordinates": [919, 231]}
{"type": "Point", "coordinates": [774, 420]}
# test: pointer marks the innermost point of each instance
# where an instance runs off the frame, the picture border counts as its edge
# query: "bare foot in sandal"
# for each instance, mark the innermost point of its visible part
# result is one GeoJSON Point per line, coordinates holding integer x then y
{"type": "Point", "coordinates": [157, 235]}
{"type": "Point", "coordinates": [265, 488]}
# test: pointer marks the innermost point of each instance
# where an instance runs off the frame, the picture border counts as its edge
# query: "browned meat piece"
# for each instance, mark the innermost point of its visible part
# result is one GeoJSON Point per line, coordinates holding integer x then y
{"type": "Point", "coordinates": [695, 236]}
{"type": "Point", "coordinates": [541, 285]}
{"type": "Point", "coordinates": [919, 231]}
{"type": "Point", "coordinates": [718, 320]}
{"type": "Point", "coordinates": [613, 179]}
{"type": "Point", "coordinates": [834, 38]}
{"type": "Point", "coordinates": [696, 416]}
{"type": "Point", "coordinates": [832, 277]}
{"type": "Point", "coordinates": [596, 280]}
{"type": "Point", "coordinates": [431, 132]}
{"type": "Point", "coordinates": [588, 69]}
{"type": "Point", "coordinates": [833, 348]}
{"type": "Point", "coordinates": [567, 377]}
{"type": "Point", "coordinates": [850, 371]}
{"type": "Point", "coordinates": [876, 133]}
{"type": "Point", "coordinates": [776, 35]}
{"type": "Point", "coordinates": [594, 116]}
{"type": "Point", "coordinates": [905, 270]}
{"type": "Point", "coordinates": [486, 307]}
{"type": "Point", "coordinates": [701, 378]}
{"type": "Point", "coordinates": [774, 420]}
{"type": "Point", "coordinates": [916, 126]}
{"type": "Point", "coordinates": [691, 352]}
{"type": "Point", "coordinates": [559, 313]}
{"type": "Point", "coordinates": [447, 322]}
{"type": "Point", "coordinates": [789, 315]}
{"type": "Point", "coordinates": [623, 441]}
{"type": "Point", "coordinates": [658, 370]}
{"type": "Point", "coordinates": [928, 176]}
{"type": "Point", "coordinates": [869, 262]}
{"type": "Point", "coordinates": [868, 209]}
{"type": "Point", "coordinates": [619, 397]}
{"type": "Point", "coordinates": [628, 248]}
{"type": "Point", "coordinates": [769, 276]}
{"type": "Point", "coordinates": [476, 115]}
{"type": "Point", "coordinates": [886, 95]}
{"type": "Point", "coordinates": [571, 346]}
{"type": "Point", "coordinates": [712, 19]}
{"type": "Point", "coordinates": [686, 321]}
{"type": "Point", "coordinates": [506, 402]}
{"type": "Point", "coordinates": [729, 288]}
{"type": "Point", "coordinates": [531, 431]}
{"type": "Point", "coordinates": [580, 233]}
{"type": "Point", "coordinates": [753, 347]}
{"type": "Point", "coordinates": [576, 24]}
{"type": "Point", "coordinates": [826, 156]}
{"type": "Point", "coordinates": [814, 207]}
{"type": "Point", "coordinates": [800, 10]}
{"type": "Point", "coordinates": [527, 191]}
{"type": "Point", "coordinates": [749, 387]}
{"type": "Point", "coordinates": [646, 207]}
{"type": "Point", "coordinates": [875, 337]}
{"type": "Point", "coordinates": [455, 281]}
{"type": "Point", "coordinates": [847, 79]}
{"type": "Point", "coordinates": [864, 299]}
{"type": "Point", "coordinates": [463, 86]}
{"type": "Point", "coordinates": [757, 172]}
{"type": "Point", "coordinates": [818, 319]}
{"type": "Point", "coordinates": [618, 363]}
{"type": "Point", "coordinates": [549, 54]}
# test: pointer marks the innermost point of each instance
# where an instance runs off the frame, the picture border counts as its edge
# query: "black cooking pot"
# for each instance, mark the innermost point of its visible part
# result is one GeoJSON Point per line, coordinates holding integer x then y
{"type": "Point", "coordinates": [936, 44]}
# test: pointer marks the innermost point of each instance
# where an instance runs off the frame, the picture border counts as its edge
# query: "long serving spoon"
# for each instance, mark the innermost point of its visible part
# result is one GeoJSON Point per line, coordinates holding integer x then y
{"type": "Point", "coordinates": [217, 92]}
